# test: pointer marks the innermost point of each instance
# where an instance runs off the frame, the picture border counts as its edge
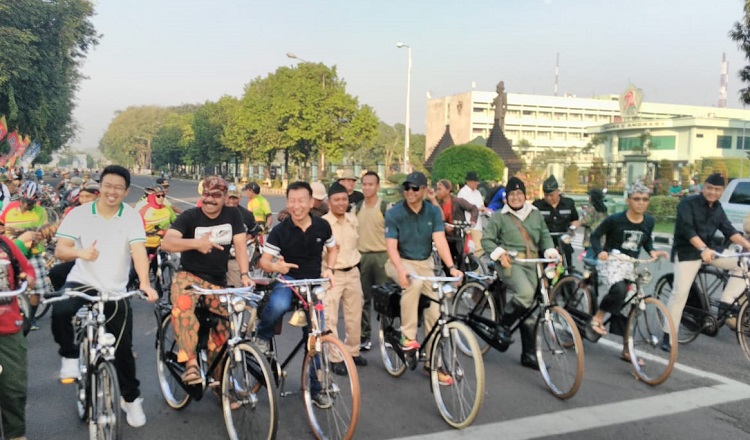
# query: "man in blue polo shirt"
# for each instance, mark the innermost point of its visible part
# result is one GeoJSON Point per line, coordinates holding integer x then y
{"type": "Point", "coordinates": [410, 228]}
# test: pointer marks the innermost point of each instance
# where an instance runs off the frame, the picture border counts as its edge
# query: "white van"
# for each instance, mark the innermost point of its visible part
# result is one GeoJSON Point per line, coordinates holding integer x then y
{"type": "Point", "coordinates": [736, 201]}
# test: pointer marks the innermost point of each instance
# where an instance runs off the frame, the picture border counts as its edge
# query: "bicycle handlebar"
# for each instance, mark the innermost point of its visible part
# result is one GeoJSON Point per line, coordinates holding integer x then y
{"type": "Point", "coordinates": [102, 297]}
{"type": "Point", "coordinates": [435, 279]}
{"type": "Point", "coordinates": [628, 258]}
{"type": "Point", "coordinates": [304, 282]}
{"type": "Point", "coordinates": [735, 255]}
{"type": "Point", "coordinates": [478, 276]}
{"type": "Point", "coordinates": [12, 293]}
{"type": "Point", "coordinates": [537, 260]}
{"type": "Point", "coordinates": [243, 292]}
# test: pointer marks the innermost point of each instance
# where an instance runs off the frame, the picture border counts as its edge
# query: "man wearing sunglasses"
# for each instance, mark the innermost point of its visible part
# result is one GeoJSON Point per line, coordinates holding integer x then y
{"type": "Point", "coordinates": [204, 236]}
{"type": "Point", "coordinates": [410, 228]}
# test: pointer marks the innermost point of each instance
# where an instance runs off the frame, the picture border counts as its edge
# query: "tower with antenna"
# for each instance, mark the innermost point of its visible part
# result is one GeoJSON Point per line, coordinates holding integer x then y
{"type": "Point", "coordinates": [723, 82]}
{"type": "Point", "coordinates": [557, 72]}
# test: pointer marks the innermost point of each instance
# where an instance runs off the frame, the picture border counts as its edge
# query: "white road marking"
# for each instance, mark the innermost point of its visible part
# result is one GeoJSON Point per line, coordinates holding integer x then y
{"type": "Point", "coordinates": [593, 417]}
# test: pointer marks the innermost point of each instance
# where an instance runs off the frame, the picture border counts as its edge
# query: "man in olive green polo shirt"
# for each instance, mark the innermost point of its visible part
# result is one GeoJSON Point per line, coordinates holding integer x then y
{"type": "Point", "coordinates": [410, 228]}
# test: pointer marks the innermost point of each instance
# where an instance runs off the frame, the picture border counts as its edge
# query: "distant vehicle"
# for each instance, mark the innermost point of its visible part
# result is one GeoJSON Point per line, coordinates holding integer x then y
{"type": "Point", "coordinates": [736, 201]}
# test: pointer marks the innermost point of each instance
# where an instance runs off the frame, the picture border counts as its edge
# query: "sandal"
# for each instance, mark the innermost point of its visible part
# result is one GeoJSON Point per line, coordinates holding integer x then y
{"type": "Point", "coordinates": [598, 328]}
{"type": "Point", "coordinates": [625, 356]}
{"type": "Point", "coordinates": [192, 375]}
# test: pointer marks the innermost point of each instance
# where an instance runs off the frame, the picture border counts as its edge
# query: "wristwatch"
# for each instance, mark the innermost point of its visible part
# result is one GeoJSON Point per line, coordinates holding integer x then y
{"type": "Point", "coordinates": [245, 274]}
{"type": "Point", "coordinates": [703, 249]}
{"type": "Point", "coordinates": [452, 267]}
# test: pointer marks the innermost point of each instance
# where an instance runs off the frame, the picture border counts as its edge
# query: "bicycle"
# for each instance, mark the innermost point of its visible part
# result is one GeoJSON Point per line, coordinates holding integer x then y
{"type": "Point", "coordinates": [648, 320]}
{"type": "Point", "coordinates": [459, 402]}
{"type": "Point", "coordinates": [337, 416]}
{"type": "Point", "coordinates": [248, 391]}
{"type": "Point", "coordinates": [9, 295]}
{"type": "Point", "coordinates": [97, 387]}
{"type": "Point", "coordinates": [699, 316]}
{"type": "Point", "coordinates": [555, 330]}
{"type": "Point", "coordinates": [466, 262]}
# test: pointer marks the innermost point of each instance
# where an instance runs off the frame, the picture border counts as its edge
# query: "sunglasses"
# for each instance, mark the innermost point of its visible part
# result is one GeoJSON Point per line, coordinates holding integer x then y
{"type": "Point", "coordinates": [160, 196]}
{"type": "Point", "coordinates": [639, 199]}
{"type": "Point", "coordinates": [410, 187]}
{"type": "Point", "coordinates": [213, 195]}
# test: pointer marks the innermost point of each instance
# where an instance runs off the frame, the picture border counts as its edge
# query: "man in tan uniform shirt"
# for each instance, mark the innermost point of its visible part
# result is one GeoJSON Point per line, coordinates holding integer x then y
{"type": "Point", "coordinates": [371, 218]}
{"type": "Point", "coordinates": [347, 289]}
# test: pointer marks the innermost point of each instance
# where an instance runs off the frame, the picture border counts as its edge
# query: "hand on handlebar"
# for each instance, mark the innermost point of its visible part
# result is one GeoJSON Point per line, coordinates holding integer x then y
{"type": "Point", "coordinates": [708, 255]}
{"type": "Point", "coordinates": [150, 293]}
{"type": "Point", "coordinates": [657, 254]}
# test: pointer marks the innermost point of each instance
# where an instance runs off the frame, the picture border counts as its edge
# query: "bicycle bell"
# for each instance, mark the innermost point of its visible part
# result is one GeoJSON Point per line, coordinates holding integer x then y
{"type": "Point", "coordinates": [298, 319]}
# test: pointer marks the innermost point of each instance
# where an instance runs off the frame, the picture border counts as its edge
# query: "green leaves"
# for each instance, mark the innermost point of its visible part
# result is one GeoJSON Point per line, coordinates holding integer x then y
{"type": "Point", "coordinates": [455, 162]}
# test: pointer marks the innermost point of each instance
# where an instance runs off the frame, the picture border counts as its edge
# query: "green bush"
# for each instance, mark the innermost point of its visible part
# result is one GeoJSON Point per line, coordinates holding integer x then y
{"type": "Point", "coordinates": [397, 179]}
{"type": "Point", "coordinates": [663, 208]}
{"type": "Point", "coordinates": [456, 161]}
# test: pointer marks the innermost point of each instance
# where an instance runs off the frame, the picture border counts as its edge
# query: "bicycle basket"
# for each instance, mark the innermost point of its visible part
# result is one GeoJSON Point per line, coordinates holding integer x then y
{"type": "Point", "coordinates": [386, 299]}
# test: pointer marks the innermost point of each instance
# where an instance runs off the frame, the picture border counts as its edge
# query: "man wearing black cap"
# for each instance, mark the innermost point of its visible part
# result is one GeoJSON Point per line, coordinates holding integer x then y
{"type": "Point", "coordinates": [347, 287]}
{"type": "Point", "coordinates": [518, 227]}
{"type": "Point", "coordinates": [559, 213]}
{"type": "Point", "coordinates": [410, 228]}
{"type": "Point", "coordinates": [698, 218]}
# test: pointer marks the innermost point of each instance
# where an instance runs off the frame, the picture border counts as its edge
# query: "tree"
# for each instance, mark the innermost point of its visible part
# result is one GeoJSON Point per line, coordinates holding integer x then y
{"type": "Point", "coordinates": [456, 161]}
{"type": "Point", "coordinates": [42, 46]}
{"type": "Point", "coordinates": [740, 34]}
{"type": "Point", "coordinates": [597, 174]}
{"type": "Point", "coordinates": [169, 145]}
{"type": "Point", "coordinates": [128, 138]}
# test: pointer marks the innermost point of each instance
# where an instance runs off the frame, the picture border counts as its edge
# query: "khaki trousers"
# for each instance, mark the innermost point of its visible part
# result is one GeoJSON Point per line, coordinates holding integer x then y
{"type": "Point", "coordinates": [234, 279]}
{"type": "Point", "coordinates": [684, 276]}
{"type": "Point", "coordinates": [347, 291]}
{"type": "Point", "coordinates": [410, 296]}
{"type": "Point", "coordinates": [476, 237]}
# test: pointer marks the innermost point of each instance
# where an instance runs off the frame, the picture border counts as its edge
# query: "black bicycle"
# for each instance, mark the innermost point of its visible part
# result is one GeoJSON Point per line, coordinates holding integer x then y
{"type": "Point", "coordinates": [248, 390]}
{"type": "Point", "coordinates": [453, 350]}
{"type": "Point", "coordinates": [559, 348]}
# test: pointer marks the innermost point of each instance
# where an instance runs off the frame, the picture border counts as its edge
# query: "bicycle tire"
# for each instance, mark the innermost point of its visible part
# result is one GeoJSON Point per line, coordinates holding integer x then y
{"type": "Point", "coordinates": [559, 352]}
{"type": "Point", "coordinates": [743, 329]}
{"type": "Point", "coordinates": [339, 419]}
{"type": "Point", "coordinates": [105, 412]}
{"type": "Point", "coordinates": [245, 377]}
{"type": "Point", "coordinates": [165, 283]}
{"type": "Point", "coordinates": [689, 329]}
{"type": "Point", "coordinates": [83, 394]}
{"type": "Point", "coordinates": [459, 403]}
{"type": "Point", "coordinates": [389, 334]}
{"type": "Point", "coordinates": [25, 306]}
{"type": "Point", "coordinates": [646, 327]}
{"type": "Point", "coordinates": [168, 370]}
{"type": "Point", "coordinates": [465, 301]}
{"type": "Point", "coordinates": [571, 292]}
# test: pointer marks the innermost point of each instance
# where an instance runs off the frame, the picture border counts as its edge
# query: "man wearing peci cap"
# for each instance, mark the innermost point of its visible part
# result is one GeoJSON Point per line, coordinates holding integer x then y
{"type": "Point", "coordinates": [559, 213]}
{"type": "Point", "coordinates": [347, 287]}
{"type": "Point", "coordinates": [348, 180]}
{"type": "Point", "coordinates": [411, 226]}
{"type": "Point", "coordinates": [471, 194]}
{"type": "Point", "coordinates": [698, 218]}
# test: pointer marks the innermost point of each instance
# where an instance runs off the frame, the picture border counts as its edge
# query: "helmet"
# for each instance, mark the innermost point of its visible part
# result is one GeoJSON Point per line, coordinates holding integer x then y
{"type": "Point", "coordinates": [72, 197]}
{"type": "Point", "coordinates": [29, 191]}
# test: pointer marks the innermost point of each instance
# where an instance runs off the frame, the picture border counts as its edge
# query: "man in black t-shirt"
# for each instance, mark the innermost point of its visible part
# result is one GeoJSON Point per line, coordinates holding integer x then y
{"type": "Point", "coordinates": [204, 236]}
{"type": "Point", "coordinates": [234, 274]}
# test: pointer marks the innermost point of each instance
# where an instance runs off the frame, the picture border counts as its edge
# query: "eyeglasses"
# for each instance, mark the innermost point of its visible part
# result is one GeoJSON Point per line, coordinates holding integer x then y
{"type": "Point", "coordinates": [639, 199]}
{"type": "Point", "coordinates": [160, 196]}
{"type": "Point", "coordinates": [118, 188]}
{"type": "Point", "coordinates": [213, 195]}
{"type": "Point", "coordinates": [410, 187]}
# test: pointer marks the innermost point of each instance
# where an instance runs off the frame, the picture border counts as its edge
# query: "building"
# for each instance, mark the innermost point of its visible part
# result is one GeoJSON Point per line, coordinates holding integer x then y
{"type": "Point", "coordinates": [679, 133]}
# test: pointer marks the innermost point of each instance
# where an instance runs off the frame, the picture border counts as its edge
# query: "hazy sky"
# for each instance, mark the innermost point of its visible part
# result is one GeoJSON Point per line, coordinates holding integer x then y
{"type": "Point", "coordinates": [189, 51]}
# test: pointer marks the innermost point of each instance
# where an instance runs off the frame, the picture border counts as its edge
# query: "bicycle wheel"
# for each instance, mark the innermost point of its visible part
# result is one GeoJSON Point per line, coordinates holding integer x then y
{"type": "Point", "coordinates": [248, 395]}
{"type": "Point", "coordinates": [458, 402]}
{"type": "Point", "coordinates": [331, 401]}
{"type": "Point", "coordinates": [83, 397]}
{"type": "Point", "coordinates": [474, 264]}
{"type": "Point", "coordinates": [646, 327]}
{"type": "Point", "coordinates": [474, 298]}
{"type": "Point", "coordinates": [105, 411]}
{"type": "Point", "coordinates": [559, 352]}
{"type": "Point", "coordinates": [743, 329]}
{"type": "Point", "coordinates": [23, 304]}
{"type": "Point", "coordinates": [691, 321]}
{"type": "Point", "coordinates": [165, 283]}
{"type": "Point", "coordinates": [572, 293]}
{"type": "Point", "coordinates": [390, 335]}
{"type": "Point", "coordinates": [168, 370]}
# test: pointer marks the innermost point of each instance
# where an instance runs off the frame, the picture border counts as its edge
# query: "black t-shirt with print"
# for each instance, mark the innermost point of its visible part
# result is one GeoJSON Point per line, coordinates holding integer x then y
{"type": "Point", "coordinates": [624, 235]}
{"type": "Point", "coordinates": [193, 223]}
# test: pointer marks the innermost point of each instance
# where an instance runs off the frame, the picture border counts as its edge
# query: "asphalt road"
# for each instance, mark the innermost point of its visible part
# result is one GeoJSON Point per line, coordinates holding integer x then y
{"type": "Point", "coordinates": [705, 397]}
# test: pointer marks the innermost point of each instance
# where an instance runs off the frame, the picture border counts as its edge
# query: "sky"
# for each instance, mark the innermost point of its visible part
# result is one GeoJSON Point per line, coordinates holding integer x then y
{"type": "Point", "coordinates": [169, 52]}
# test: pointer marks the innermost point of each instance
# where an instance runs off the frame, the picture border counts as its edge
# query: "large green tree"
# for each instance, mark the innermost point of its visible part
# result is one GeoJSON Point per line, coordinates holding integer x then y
{"type": "Point", "coordinates": [456, 161]}
{"type": "Point", "coordinates": [42, 46]}
{"type": "Point", "coordinates": [128, 138]}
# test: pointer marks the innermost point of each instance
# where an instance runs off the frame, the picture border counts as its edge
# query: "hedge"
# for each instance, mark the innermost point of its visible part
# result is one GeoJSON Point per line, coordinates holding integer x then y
{"type": "Point", "coordinates": [456, 161]}
{"type": "Point", "coordinates": [663, 208]}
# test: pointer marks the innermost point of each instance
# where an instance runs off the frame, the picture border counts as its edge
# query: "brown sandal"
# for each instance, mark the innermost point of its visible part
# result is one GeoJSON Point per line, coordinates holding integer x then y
{"type": "Point", "coordinates": [192, 375]}
{"type": "Point", "coordinates": [625, 356]}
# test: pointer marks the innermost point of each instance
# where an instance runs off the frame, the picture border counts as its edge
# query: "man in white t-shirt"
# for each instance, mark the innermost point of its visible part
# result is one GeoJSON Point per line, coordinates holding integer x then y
{"type": "Point", "coordinates": [471, 194]}
{"type": "Point", "coordinates": [101, 236]}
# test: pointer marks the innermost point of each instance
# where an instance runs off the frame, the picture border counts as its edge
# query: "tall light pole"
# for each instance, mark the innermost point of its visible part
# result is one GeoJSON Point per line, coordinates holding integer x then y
{"type": "Point", "coordinates": [407, 168]}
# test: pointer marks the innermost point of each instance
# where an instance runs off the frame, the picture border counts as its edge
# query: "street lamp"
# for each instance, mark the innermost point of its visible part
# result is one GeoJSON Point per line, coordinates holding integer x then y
{"type": "Point", "coordinates": [295, 57]}
{"type": "Point", "coordinates": [408, 112]}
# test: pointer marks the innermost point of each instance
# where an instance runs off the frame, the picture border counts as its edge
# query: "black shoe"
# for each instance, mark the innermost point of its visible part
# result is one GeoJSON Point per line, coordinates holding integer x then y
{"type": "Point", "coordinates": [528, 360]}
{"type": "Point", "coordinates": [665, 343]}
{"type": "Point", "coordinates": [366, 344]}
{"type": "Point", "coordinates": [339, 368]}
{"type": "Point", "coordinates": [360, 361]}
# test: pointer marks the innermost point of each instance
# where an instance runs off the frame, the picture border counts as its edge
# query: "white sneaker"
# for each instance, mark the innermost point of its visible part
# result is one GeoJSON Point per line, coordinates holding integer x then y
{"type": "Point", "coordinates": [264, 345]}
{"type": "Point", "coordinates": [69, 369]}
{"type": "Point", "coordinates": [134, 412]}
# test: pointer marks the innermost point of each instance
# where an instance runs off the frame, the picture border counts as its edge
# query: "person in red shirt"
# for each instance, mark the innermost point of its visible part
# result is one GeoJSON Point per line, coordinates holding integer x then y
{"type": "Point", "coordinates": [13, 379]}
{"type": "Point", "coordinates": [452, 209]}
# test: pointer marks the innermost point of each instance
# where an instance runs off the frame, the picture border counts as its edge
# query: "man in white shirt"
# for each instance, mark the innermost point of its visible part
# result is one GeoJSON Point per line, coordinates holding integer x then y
{"type": "Point", "coordinates": [471, 194]}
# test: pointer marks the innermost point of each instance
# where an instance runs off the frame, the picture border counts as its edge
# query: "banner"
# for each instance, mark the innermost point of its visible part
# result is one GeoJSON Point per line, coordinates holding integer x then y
{"type": "Point", "coordinates": [31, 153]}
{"type": "Point", "coordinates": [14, 142]}
{"type": "Point", "coordinates": [3, 127]}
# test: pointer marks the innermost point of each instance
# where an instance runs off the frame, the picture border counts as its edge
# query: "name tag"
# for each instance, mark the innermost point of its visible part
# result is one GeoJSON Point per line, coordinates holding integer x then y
{"type": "Point", "coordinates": [565, 211]}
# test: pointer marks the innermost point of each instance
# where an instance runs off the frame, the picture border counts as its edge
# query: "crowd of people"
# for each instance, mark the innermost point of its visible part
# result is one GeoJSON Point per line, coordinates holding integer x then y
{"type": "Point", "coordinates": [355, 239]}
